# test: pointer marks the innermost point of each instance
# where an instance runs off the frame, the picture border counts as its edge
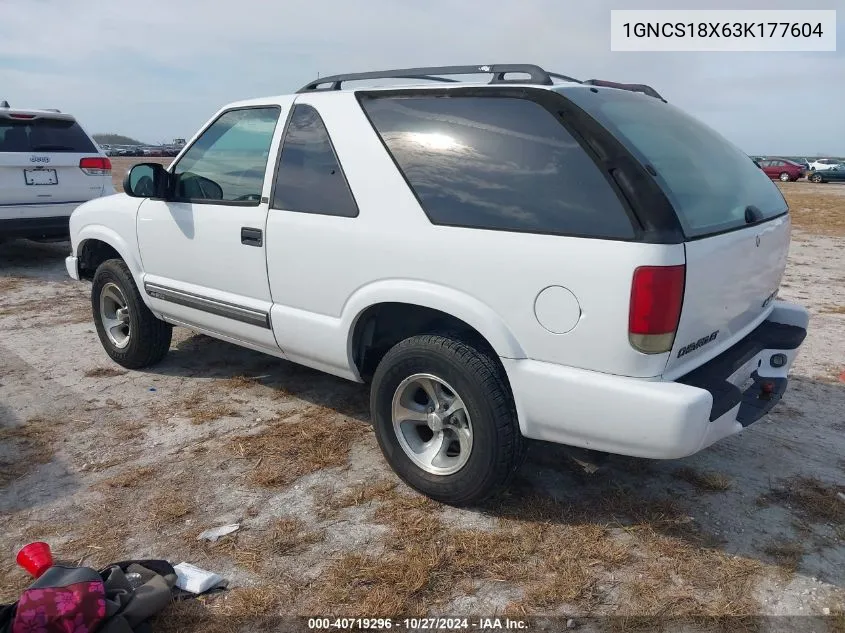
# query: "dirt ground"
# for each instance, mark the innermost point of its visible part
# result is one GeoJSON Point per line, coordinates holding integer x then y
{"type": "Point", "coordinates": [107, 464]}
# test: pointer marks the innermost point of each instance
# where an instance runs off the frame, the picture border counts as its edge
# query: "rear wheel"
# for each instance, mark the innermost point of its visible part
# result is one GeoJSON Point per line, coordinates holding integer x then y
{"type": "Point", "coordinates": [131, 335]}
{"type": "Point", "coordinates": [445, 420]}
{"type": "Point", "coordinates": [785, 177]}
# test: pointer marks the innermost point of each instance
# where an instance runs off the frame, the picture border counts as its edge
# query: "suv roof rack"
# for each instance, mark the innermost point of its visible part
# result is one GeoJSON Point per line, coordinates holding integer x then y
{"type": "Point", "coordinates": [499, 71]}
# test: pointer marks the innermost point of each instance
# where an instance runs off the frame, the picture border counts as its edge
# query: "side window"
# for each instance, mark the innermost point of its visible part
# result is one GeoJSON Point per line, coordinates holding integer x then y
{"type": "Point", "coordinates": [497, 163]}
{"type": "Point", "coordinates": [310, 179]}
{"type": "Point", "coordinates": [228, 161]}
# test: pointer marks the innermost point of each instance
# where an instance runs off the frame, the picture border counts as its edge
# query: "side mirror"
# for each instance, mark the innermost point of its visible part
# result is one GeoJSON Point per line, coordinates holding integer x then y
{"type": "Point", "coordinates": [147, 180]}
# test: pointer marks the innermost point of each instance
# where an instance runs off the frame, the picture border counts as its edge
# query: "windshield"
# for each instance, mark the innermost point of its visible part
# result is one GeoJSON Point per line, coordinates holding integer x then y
{"type": "Point", "coordinates": [710, 182]}
{"type": "Point", "coordinates": [43, 134]}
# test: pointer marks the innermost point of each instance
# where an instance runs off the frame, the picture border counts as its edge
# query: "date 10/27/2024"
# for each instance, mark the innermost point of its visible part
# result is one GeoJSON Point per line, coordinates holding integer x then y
{"type": "Point", "coordinates": [417, 624]}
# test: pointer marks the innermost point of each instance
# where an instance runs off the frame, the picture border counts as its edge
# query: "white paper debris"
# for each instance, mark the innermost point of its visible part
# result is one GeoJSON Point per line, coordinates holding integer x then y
{"type": "Point", "coordinates": [196, 580]}
{"type": "Point", "coordinates": [215, 533]}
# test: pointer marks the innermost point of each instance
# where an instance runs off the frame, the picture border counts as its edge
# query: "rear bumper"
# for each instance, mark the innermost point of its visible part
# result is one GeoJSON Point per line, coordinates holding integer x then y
{"type": "Point", "coordinates": [656, 419]}
{"type": "Point", "coordinates": [36, 227]}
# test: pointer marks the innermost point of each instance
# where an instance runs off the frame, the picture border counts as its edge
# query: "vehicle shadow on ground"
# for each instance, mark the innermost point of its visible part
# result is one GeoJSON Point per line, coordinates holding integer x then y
{"type": "Point", "coordinates": [725, 497]}
{"type": "Point", "coordinates": [44, 260]}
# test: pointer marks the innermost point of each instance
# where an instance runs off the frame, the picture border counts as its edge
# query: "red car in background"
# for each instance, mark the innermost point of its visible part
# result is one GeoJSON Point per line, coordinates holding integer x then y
{"type": "Point", "coordinates": [781, 169]}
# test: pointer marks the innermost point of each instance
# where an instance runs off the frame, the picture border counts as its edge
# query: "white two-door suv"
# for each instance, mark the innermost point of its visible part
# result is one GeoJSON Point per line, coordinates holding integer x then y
{"type": "Point", "coordinates": [533, 257]}
{"type": "Point", "coordinates": [49, 165]}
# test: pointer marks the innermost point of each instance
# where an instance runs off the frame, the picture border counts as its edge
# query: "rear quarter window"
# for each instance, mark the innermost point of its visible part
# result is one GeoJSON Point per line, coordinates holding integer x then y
{"type": "Point", "coordinates": [709, 181]}
{"type": "Point", "coordinates": [44, 134]}
{"type": "Point", "coordinates": [501, 163]}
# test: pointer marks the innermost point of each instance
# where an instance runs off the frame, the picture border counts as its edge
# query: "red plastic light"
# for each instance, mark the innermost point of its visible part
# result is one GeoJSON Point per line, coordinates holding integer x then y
{"type": "Point", "coordinates": [22, 116]}
{"type": "Point", "coordinates": [95, 162]}
{"type": "Point", "coordinates": [657, 294]}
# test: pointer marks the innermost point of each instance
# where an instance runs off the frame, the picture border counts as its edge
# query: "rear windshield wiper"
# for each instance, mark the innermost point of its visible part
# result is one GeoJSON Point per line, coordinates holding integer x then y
{"type": "Point", "coordinates": [753, 214]}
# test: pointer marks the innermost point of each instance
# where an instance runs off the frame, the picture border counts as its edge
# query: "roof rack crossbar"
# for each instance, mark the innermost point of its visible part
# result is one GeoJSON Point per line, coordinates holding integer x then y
{"type": "Point", "coordinates": [645, 89]}
{"type": "Point", "coordinates": [499, 71]}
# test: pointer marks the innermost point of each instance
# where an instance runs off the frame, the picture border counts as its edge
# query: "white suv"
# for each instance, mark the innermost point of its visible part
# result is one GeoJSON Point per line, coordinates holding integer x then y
{"type": "Point", "coordinates": [559, 260]}
{"type": "Point", "coordinates": [48, 166]}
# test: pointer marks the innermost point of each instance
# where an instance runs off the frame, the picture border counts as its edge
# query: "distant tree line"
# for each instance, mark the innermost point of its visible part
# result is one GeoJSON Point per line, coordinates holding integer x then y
{"type": "Point", "coordinates": [116, 139]}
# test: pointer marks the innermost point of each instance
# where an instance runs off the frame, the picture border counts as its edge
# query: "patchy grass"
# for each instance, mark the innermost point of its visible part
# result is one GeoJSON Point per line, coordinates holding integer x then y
{"type": "Point", "coordinates": [198, 408]}
{"type": "Point", "coordinates": [817, 209]}
{"type": "Point", "coordinates": [812, 499]}
{"type": "Point", "coordinates": [833, 310]}
{"type": "Point", "coordinates": [704, 481]}
{"type": "Point", "coordinates": [133, 478]}
{"type": "Point", "coordinates": [254, 550]}
{"type": "Point", "coordinates": [550, 552]}
{"type": "Point", "coordinates": [239, 382]}
{"type": "Point", "coordinates": [787, 554]}
{"type": "Point", "coordinates": [105, 372]}
{"type": "Point", "coordinates": [332, 502]}
{"type": "Point", "coordinates": [10, 284]}
{"type": "Point", "coordinates": [29, 446]}
{"type": "Point", "coordinates": [287, 450]}
{"type": "Point", "coordinates": [168, 506]}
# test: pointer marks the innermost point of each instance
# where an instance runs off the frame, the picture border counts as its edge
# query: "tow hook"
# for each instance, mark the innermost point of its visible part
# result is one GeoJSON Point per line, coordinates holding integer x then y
{"type": "Point", "coordinates": [766, 390]}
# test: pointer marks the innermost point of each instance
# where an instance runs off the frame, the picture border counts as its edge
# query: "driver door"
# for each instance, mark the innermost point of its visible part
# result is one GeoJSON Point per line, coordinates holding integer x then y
{"type": "Point", "coordinates": [203, 251]}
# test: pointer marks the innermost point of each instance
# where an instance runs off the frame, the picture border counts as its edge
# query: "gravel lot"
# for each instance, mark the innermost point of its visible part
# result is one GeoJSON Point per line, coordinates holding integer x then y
{"type": "Point", "coordinates": [107, 465]}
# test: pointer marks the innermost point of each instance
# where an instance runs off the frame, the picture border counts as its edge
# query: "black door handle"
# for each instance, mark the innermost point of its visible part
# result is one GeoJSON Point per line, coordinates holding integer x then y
{"type": "Point", "coordinates": [251, 237]}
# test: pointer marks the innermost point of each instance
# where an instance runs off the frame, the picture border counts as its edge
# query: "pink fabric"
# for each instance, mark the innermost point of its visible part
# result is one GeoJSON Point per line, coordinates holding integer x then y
{"type": "Point", "coordinates": [78, 608]}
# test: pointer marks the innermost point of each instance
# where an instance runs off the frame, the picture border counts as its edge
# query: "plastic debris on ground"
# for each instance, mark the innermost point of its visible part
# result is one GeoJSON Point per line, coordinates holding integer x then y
{"type": "Point", "coordinates": [195, 580]}
{"type": "Point", "coordinates": [215, 533]}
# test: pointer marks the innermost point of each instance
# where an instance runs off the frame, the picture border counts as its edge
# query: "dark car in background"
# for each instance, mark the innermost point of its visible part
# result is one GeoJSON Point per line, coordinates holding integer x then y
{"type": "Point", "coordinates": [782, 169]}
{"type": "Point", "coordinates": [834, 174]}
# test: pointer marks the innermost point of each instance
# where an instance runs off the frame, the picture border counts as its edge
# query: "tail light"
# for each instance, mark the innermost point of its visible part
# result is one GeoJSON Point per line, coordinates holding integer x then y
{"type": "Point", "coordinates": [657, 293]}
{"type": "Point", "coordinates": [95, 166]}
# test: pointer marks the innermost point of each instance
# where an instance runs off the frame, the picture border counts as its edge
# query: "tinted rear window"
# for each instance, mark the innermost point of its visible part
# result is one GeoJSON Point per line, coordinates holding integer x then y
{"type": "Point", "coordinates": [497, 163]}
{"type": "Point", "coordinates": [709, 181]}
{"type": "Point", "coordinates": [43, 135]}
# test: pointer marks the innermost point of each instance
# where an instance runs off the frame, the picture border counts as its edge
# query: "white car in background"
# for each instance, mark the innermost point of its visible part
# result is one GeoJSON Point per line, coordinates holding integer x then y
{"type": "Point", "coordinates": [823, 164]}
{"type": "Point", "coordinates": [49, 166]}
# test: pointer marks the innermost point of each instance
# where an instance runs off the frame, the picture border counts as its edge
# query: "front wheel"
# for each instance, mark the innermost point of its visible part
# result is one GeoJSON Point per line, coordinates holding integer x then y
{"type": "Point", "coordinates": [445, 420]}
{"type": "Point", "coordinates": [784, 177]}
{"type": "Point", "coordinates": [815, 178]}
{"type": "Point", "coordinates": [131, 335]}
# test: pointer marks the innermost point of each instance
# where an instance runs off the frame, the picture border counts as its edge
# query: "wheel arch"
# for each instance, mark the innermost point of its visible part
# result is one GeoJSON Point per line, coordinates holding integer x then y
{"type": "Point", "coordinates": [415, 307]}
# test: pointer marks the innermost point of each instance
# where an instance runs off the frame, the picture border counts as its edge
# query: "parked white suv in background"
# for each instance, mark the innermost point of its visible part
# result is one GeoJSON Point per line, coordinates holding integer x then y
{"type": "Point", "coordinates": [574, 262]}
{"type": "Point", "coordinates": [48, 166]}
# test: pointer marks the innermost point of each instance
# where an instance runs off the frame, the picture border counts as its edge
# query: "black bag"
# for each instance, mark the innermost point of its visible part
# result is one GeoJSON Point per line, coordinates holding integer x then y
{"type": "Point", "coordinates": [120, 598]}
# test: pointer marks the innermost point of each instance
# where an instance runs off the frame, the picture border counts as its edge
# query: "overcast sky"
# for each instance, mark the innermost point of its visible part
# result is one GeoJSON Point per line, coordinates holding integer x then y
{"type": "Point", "coordinates": [158, 69]}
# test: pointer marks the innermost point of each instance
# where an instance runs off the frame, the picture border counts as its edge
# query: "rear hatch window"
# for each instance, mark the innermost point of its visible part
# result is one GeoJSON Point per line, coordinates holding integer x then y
{"type": "Point", "coordinates": [710, 182]}
{"type": "Point", "coordinates": [44, 134]}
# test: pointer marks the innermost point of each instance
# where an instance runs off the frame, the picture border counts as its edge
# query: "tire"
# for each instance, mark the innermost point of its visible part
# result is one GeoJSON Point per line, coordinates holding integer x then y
{"type": "Point", "coordinates": [496, 446]}
{"type": "Point", "coordinates": [815, 178]}
{"type": "Point", "coordinates": [785, 177]}
{"type": "Point", "coordinates": [141, 339]}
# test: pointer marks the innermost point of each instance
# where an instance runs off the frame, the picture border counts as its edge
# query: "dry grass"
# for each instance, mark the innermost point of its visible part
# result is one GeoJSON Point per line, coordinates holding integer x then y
{"type": "Point", "coordinates": [29, 446]}
{"type": "Point", "coordinates": [704, 481]}
{"type": "Point", "coordinates": [255, 549]}
{"type": "Point", "coordinates": [332, 502]}
{"type": "Point", "coordinates": [812, 499]}
{"type": "Point", "coordinates": [133, 478]}
{"type": "Point", "coordinates": [787, 554]}
{"type": "Point", "coordinates": [818, 209]}
{"type": "Point", "coordinates": [287, 450]}
{"type": "Point", "coordinates": [833, 310]}
{"type": "Point", "coordinates": [168, 506]}
{"type": "Point", "coordinates": [10, 284]}
{"type": "Point", "coordinates": [105, 372]}
{"type": "Point", "coordinates": [198, 408]}
{"type": "Point", "coordinates": [239, 382]}
{"type": "Point", "coordinates": [560, 561]}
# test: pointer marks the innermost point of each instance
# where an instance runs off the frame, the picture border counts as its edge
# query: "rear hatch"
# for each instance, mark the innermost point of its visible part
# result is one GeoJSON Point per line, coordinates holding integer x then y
{"type": "Point", "coordinates": [40, 157]}
{"type": "Point", "coordinates": [734, 219]}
